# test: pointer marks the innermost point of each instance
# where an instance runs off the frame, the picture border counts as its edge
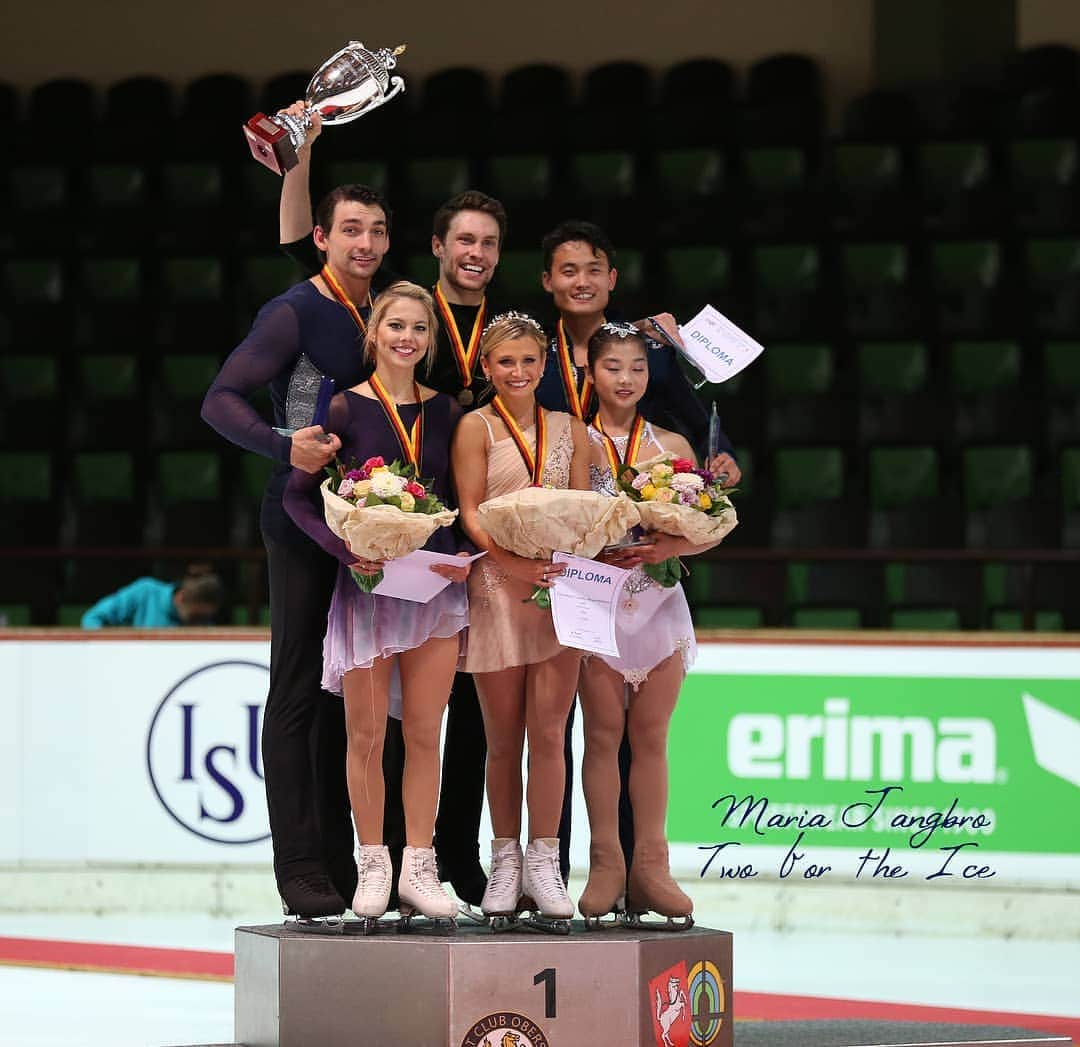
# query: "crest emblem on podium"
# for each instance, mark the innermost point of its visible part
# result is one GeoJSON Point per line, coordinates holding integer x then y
{"type": "Point", "coordinates": [669, 1005]}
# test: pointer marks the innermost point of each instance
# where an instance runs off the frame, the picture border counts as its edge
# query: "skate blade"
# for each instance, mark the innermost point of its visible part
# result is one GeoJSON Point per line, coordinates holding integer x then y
{"type": "Point", "coordinates": [412, 921]}
{"type": "Point", "coordinates": [545, 924]}
{"type": "Point", "coordinates": [470, 914]}
{"type": "Point", "coordinates": [315, 924]}
{"type": "Point", "coordinates": [501, 922]}
{"type": "Point", "coordinates": [605, 921]}
{"type": "Point", "coordinates": [671, 924]}
{"type": "Point", "coordinates": [365, 925]}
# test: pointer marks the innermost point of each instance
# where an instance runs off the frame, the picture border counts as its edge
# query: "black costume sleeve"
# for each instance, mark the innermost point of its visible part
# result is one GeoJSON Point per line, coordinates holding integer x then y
{"type": "Point", "coordinates": [269, 348]}
{"type": "Point", "coordinates": [305, 254]}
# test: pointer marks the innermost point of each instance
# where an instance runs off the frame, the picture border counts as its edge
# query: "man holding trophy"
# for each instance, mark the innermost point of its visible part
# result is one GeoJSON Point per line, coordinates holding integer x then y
{"type": "Point", "coordinates": [300, 340]}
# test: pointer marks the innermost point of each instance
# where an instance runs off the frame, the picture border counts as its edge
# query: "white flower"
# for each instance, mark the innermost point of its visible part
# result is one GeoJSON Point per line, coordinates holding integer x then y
{"type": "Point", "coordinates": [386, 484]}
{"type": "Point", "coordinates": [687, 482]}
{"type": "Point", "coordinates": [346, 487]}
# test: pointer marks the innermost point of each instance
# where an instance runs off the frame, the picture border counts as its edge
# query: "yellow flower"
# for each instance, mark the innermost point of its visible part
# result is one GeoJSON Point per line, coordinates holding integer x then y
{"type": "Point", "coordinates": [648, 493]}
{"type": "Point", "coordinates": [362, 488]}
{"type": "Point", "coordinates": [408, 502]}
{"type": "Point", "coordinates": [704, 501]}
{"type": "Point", "coordinates": [380, 469]}
{"type": "Point", "coordinates": [661, 472]}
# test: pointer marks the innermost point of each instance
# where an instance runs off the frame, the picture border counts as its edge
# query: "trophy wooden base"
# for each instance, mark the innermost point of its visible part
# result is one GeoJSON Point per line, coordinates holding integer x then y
{"type": "Point", "coordinates": [270, 144]}
{"type": "Point", "coordinates": [475, 988]}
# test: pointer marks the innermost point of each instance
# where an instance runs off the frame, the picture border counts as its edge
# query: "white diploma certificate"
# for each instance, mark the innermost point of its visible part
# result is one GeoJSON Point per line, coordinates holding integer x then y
{"type": "Point", "coordinates": [411, 578]}
{"type": "Point", "coordinates": [718, 348]}
{"type": "Point", "coordinates": [583, 604]}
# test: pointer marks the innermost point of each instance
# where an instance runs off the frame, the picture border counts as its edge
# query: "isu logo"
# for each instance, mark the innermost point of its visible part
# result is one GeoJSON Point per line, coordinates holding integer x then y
{"type": "Point", "coordinates": [505, 1029]}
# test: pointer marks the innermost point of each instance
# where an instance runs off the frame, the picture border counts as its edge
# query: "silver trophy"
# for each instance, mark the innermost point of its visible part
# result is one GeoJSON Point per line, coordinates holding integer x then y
{"type": "Point", "coordinates": [350, 83]}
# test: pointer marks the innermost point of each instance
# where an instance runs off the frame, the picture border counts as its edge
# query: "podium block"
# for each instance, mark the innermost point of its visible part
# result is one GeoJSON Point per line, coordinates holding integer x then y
{"type": "Point", "coordinates": [479, 989]}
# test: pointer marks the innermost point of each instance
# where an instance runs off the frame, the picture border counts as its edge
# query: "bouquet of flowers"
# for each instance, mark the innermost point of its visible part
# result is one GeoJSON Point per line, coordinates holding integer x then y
{"type": "Point", "coordinates": [381, 511]}
{"type": "Point", "coordinates": [673, 497]}
{"type": "Point", "coordinates": [537, 521]}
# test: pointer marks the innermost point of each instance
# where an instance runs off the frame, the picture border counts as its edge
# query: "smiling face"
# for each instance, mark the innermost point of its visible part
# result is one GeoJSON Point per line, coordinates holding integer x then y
{"type": "Point", "coordinates": [514, 367]}
{"type": "Point", "coordinates": [356, 241]}
{"type": "Point", "coordinates": [402, 336]}
{"type": "Point", "coordinates": [580, 279]}
{"type": "Point", "coordinates": [620, 372]}
{"type": "Point", "coordinates": [469, 254]}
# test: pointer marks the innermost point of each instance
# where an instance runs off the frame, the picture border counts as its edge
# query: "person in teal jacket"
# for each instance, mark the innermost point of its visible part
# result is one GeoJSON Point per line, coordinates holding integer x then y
{"type": "Point", "coordinates": [148, 603]}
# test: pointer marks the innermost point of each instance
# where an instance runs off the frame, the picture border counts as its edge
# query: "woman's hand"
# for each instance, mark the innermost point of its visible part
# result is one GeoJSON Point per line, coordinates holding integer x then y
{"type": "Point", "coordinates": [451, 571]}
{"type": "Point", "coordinates": [661, 547]}
{"type": "Point", "coordinates": [541, 573]}
{"type": "Point", "coordinates": [625, 556]}
{"type": "Point", "coordinates": [368, 568]}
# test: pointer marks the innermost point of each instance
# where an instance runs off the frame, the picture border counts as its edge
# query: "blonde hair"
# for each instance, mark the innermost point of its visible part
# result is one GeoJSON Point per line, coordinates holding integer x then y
{"type": "Point", "coordinates": [508, 327]}
{"type": "Point", "coordinates": [412, 292]}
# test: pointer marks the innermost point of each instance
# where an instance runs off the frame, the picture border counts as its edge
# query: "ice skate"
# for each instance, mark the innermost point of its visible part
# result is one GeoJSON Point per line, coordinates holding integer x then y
{"type": "Point", "coordinates": [503, 892]}
{"type": "Point", "coordinates": [469, 883]}
{"type": "Point", "coordinates": [421, 894]}
{"type": "Point", "coordinates": [374, 874]}
{"type": "Point", "coordinates": [652, 890]}
{"type": "Point", "coordinates": [605, 892]}
{"type": "Point", "coordinates": [542, 882]}
{"type": "Point", "coordinates": [311, 904]}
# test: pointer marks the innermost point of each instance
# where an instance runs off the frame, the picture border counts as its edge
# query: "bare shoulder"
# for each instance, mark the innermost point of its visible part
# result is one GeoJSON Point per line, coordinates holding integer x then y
{"type": "Point", "coordinates": [676, 443]}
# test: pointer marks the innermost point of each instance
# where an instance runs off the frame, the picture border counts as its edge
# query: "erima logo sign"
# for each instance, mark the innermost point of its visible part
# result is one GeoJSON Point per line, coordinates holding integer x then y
{"type": "Point", "coordinates": [1055, 739]}
{"type": "Point", "coordinates": [845, 748]}
{"type": "Point", "coordinates": [202, 752]}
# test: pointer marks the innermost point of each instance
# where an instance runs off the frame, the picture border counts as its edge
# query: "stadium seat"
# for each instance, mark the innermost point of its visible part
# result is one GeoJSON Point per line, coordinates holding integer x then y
{"type": "Point", "coordinates": [1053, 285]}
{"type": "Point", "coordinates": [186, 506]}
{"type": "Point", "coordinates": [999, 492]}
{"type": "Point", "coordinates": [1044, 185]}
{"type": "Point", "coordinates": [867, 189]}
{"type": "Point", "coordinates": [430, 181]}
{"type": "Point", "coordinates": [1070, 497]}
{"type": "Point", "coordinates": [602, 176]}
{"type": "Point", "coordinates": [783, 101]}
{"type": "Point", "coordinates": [913, 589]}
{"type": "Point", "coordinates": [958, 190]}
{"type": "Point", "coordinates": [14, 615]}
{"type": "Point", "coordinates": [138, 113]}
{"type": "Point", "coordinates": [1061, 393]}
{"type": "Point", "coordinates": [178, 390]}
{"type": "Point", "coordinates": [528, 94]}
{"type": "Point", "coordinates": [113, 307]}
{"type": "Point", "coordinates": [694, 276]}
{"type": "Point", "coordinates": [880, 297]}
{"type": "Point", "coordinates": [35, 306]}
{"type": "Point", "coordinates": [970, 293]}
{"type": "Point", "coordinates": [263, 277]}
{"type": "Point", "coordinates": [373, 173]}
{"type": "Point", "coordinates": [691, 195]}
{"type": "Point", "coordinates": [517, 280]}
{"type": "Point", "coordinates": [246, 499]}
{"type": "Point", "coordinates": [1053, 595]}
{"type": "Point", "coordinates": [194, 313]}
{"type": "Point", "coordinates": [109, 406]}
{"type": "Point", "coordinates": [929, 619]}
{"type": "Point", "coordinates": [617, 96]}
{"type": "Point", "coordinates": [789, 289]}
{"type": "Point", "coordinates": [731, 586]}
{"type": "Point", "coordinates": [910, 506]}
{"type": "Point", "coordinates": [814, 505]}
{"type": "Point", "coordinates": [806, 401]}
{"type": "Point", "coordinates": [29, 399]}
{"type": "Point", "coordinates": [990, 396]}
{"type": "Point", "coordinates": [100, 507]}
{"type": "Point", "coordinates": [848, 594]}
{"type": "Point", "coordinates": [827, 618]}
{"type": "Point", "coordinates": [883, 117]}
{"type": "Point", "coordinates": [520, 178]}
{"type": "Point", "coordinates": [897, 400]}
{"type": "Point", "coordinates": [688, 90]}
{"type": "Point", "coordinates": [26, 489]}
{"type": "Point", "coordinates": [733, 617]}
{"type": "Point", "coordinates": [777, 197]}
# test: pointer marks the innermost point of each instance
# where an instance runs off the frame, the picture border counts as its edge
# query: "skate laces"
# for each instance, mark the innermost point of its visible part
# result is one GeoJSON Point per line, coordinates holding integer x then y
{"type": "Point", "coordinates": [504, 870]}
{"type": "Point", "coordinates": [544, 869]}
{"type": "Point", "coordinates": [422, 874]}
{"type": "Point", "coordinates": [372, 870]}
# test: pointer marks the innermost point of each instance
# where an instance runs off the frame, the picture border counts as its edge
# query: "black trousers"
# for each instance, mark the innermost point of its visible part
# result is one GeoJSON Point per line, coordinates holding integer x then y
{"type": "Point", "coordinates": [303, 735]}
{"type": "Point", "coordinates": [461, 796]}
{"type": "Point", "coordinates": [626, 812]}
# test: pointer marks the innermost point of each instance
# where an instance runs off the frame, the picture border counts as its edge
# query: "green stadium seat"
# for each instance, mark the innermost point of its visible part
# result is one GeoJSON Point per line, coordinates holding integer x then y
{"type": "Point", "coordinates": [931, 619]}
{"type": "Point", "coordinates": [34, 282]}
{"type": "Point", "coordinates": [694, 276]}
{"type": "Point", "coordinates": [26, 489]}
{"type": "Point", "coordinates": [193, 281]}
{"type": "Point", "coordinates": [192, 186]}
{"type": "Point", "coordinates": [813, 506]}
{"type": "Point", "coordinates": [112, 281]}
{"type": "Point", "coordinates": [895, 387]}
{"type": "Point", "coordinates": [957, 187]}
{"type": "Point", "coordinates": [805, 401]}
{"type": "Point", "coordinates": [1012, 620]}
{"type": "Point", "coordinates": [952, 586]}
{"type": "Point", "coordinates": [116, 186]}
{"type": "Point", "coordinates": [827, 618]}
{"type": "Point", "coordinates": [603, 175]}
{"type": "Point", "coordinates": [999, 487]}
{"type": "Point", "coordinates": [1061, 393]}
{"type": "Point", "coordinates": [69, 615]}
{"type": "Point", "coordinates": [517, 280]}
{"type": "Point", "coordinates": [691, 194]}
{"type": "Point", "coordinates": [835, 586]}
{"type": "Point", "coordinates": [520, 178]}
{"type": "Point", "coordinates": [187, 504]}
{"type": "Point", "coordinates": [683, 173]}
{"type": "Point", "coordinates": [1043, 183]}
{"type": "Point", "coordinates": [178, 392]}
{"type": "Point", "coordinates": [910, 507]}
{"type": "Point", "coordinates": [266, 276]}
{"type": "Point", "coordinates": [966, 277]}
{"type": "Point", "coordinates": [241, 616]}
{"type": "Point", "coordinates": [868, 189]}
{"type": "Point", "coordinates": [776, 194]}
{"type": "Point", "coordinates": [1053, 594]}
{"type": "Point", "coordinates": [789, 290]}
{"type": "Point", "coordinates": [735, 617]}
{"type": "Point", "coordinates": [110, 405]}
{"type": "Point", "coordinates": [878, 289]}
{"type": "Point", "coordinates": [373, 173]}
{"type": "Point", "coordinates": [101, 507]}
{"type": "Point", "coordinates": [29, 393]}
{"type": "Point", "coordinates": [1053, 285]}
{"type": "Point", "coordinates": [39, 187]}
{"type": "Point", "coordinates": [14, 615]}
{"type": "Point", "coordinates": [989, 393]}
{"type": "Point", "coordinates": [1070, 497]}
{"type": "Point", "coordinates": [432, 180]}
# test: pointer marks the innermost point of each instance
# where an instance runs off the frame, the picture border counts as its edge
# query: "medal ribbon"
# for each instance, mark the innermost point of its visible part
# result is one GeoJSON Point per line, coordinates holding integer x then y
{"type": "Point", "coordinates": [339, 293]}
{"type": "Point", "coordinates": [465, 358]}
{"type": "Point", "coordinates": [534, 461]}
{"type": "Point", "coordinates": [412, 444]}
{"type": "Point", "coordinates": [633, 444]}
{"type": "Point", "coordinates": [578, 402]}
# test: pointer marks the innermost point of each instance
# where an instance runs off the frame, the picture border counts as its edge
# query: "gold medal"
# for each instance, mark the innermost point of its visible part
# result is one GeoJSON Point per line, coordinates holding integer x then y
{"type": "Point", "coordinates": [465, 397]}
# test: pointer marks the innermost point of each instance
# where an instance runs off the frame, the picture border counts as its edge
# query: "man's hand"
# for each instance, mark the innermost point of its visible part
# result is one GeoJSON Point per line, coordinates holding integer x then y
{"type": "Point", "coordinates": [725, 469]}
{"type": "Point", "coordinates": [312, 449]}
{"type": "Point", "coordinates": [313, 132]}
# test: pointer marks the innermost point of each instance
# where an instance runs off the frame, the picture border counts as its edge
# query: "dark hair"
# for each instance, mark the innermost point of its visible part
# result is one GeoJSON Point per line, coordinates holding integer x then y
{"type": "Point", "coordinates": [605, 334]}
{"type": "Point", "coordinates": [576, 232]}
{"type": "Point", "coordinates": [470, 200]}
{"type": "Point", "coordinates": [354, 192]}
{"type": "Point", "coordinates": [202, 586]}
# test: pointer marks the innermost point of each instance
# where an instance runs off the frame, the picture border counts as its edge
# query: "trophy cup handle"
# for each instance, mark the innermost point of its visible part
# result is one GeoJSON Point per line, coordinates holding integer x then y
{"type": "Point", "coordinates": [397, 85]}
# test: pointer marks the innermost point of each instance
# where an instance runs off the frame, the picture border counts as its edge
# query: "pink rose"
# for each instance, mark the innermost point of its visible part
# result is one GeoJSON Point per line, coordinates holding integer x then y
{"type": "Point", "coordinates": [415, 489]}
{"type": "Point", "coordinates": [374, 463]}
{"type": "Point", "coordinates": [682, 465]}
